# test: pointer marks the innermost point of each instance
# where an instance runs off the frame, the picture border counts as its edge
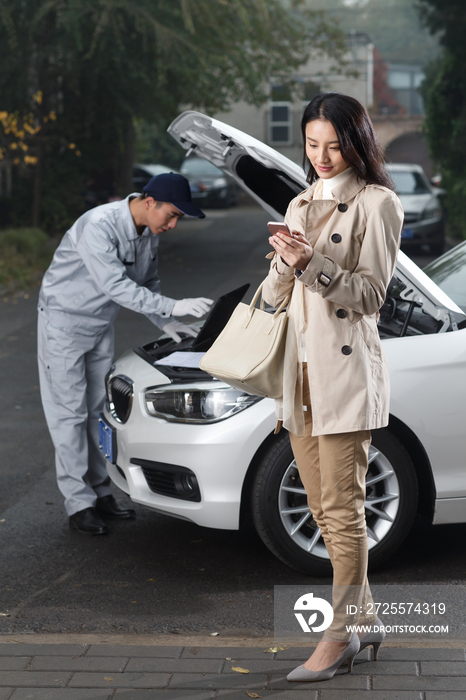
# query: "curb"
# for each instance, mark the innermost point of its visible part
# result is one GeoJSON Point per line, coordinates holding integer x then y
{"type": "Point", "coordinates": [204, 641]}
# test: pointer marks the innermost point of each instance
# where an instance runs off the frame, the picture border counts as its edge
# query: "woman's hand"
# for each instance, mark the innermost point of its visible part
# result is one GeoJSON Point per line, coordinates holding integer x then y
{"type": "Point", "coordinates": [296, 251]}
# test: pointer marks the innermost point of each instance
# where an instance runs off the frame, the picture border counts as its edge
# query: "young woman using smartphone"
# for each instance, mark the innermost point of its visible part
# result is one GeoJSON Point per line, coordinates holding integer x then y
{"type": "Point", "coordinates": [346, 234]}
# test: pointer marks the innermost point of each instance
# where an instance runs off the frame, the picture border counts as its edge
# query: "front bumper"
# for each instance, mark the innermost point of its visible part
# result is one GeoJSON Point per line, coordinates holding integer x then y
{"type": "Point", "coordinates": [211, 197]}
{"type": "Point", "coordinates": [218, 454]}
{"type": "Point", "coordinates": [418, 232]}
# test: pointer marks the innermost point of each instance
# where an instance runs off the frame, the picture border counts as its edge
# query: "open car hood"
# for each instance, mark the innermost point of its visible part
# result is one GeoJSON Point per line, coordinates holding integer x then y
{"type": "Point", "coordinates": [270, 178]}
{"type": "Point", "coordinates": [415, 277]}
{"type": "Point", "coordinates": [273, 181]}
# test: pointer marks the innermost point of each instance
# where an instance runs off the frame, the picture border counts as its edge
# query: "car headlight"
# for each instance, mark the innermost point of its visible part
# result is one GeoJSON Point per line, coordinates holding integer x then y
{"type": "Point", "coordinates": [220, 182]}
{"type": "Point", "coordinates": [197, 405]}
{"type": "Point", "coordinates": [432, 212]}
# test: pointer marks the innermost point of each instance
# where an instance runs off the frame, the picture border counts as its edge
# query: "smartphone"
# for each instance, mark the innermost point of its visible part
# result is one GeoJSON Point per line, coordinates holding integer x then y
{"type": "Point", "coordinates": [277, 226]}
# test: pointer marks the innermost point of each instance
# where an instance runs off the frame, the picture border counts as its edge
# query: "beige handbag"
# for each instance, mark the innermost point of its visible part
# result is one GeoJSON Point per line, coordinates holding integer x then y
{"type": "Point", "coordinates": [249, 352]}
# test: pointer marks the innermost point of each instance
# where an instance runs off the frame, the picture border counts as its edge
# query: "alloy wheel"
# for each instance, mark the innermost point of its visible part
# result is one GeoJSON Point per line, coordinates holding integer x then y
{"type": "Point", "coordinates": [381, 505]}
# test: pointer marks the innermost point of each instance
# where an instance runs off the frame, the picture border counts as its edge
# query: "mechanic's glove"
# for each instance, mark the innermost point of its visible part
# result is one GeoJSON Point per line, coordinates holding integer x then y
{"type": "Point", "coordinates": [192, 307]}
{"type": "Point", "coordinates": [174, 327]}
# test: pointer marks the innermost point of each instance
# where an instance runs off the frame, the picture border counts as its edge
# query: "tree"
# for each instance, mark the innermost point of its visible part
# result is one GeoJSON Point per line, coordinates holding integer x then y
{"type": "Point", "coordinates": [22, 138]}
{"type": "Point", "coordinates": [445, 94]}
{"type": "Point", "coordinates": [101, 64]}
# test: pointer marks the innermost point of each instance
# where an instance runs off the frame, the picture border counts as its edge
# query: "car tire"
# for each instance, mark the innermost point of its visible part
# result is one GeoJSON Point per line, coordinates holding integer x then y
{"type": "Point", "coordinates": [391, 504]}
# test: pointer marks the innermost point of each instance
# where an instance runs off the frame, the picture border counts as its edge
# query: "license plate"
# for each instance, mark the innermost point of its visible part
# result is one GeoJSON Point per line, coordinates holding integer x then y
{"type": "Point", "coordinates": [107, 440]}
{"type": "Point", "coordinates": [407, 233]}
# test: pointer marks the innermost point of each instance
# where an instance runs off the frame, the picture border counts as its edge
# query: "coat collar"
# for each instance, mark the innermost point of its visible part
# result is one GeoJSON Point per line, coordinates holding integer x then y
{"type": "Point", "coordinates": [342, 193]}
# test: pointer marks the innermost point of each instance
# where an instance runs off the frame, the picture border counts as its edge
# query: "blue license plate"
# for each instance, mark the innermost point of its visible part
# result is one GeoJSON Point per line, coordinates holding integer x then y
{"type": "Point", "coordinates": [107, 440]}
{"type": "Point", "coordinates": [407, 233]}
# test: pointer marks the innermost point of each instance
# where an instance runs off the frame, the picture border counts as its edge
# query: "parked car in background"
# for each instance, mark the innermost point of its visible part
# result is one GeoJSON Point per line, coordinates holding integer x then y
{"type": "Point", "coordinates": [142, 173]}
{"type": "Point", "coordinates": [424, 218]}
{"type": "Point", "coordinates": [210, 186]}
{"type": "Point", "coordinates": [184, 444]}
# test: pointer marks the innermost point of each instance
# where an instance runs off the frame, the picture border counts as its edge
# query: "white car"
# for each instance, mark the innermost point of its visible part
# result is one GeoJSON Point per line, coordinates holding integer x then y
{"type": "Point", "coordinates": [190, 446]}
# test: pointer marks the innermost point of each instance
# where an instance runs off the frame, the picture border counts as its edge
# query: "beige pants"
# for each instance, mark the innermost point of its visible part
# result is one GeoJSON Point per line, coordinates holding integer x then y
{"type": "Point", "coordinates": [333, 470]}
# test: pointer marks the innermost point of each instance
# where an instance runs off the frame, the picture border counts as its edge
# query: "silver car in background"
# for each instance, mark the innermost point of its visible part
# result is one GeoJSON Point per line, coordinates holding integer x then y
{"type": "Point", "coordinates": [210, 186]}
{"type": "Point", "coordinates": [424, 219]}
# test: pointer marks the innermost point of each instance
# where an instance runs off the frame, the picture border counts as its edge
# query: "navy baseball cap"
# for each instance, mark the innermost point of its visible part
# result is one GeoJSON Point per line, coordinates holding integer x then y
{"type": "Point", "coordinates": [173, 188]}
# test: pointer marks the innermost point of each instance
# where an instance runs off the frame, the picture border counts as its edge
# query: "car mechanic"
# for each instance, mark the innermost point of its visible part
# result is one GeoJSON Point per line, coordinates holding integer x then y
{"type": "Point", "coordinates": [107, 259]}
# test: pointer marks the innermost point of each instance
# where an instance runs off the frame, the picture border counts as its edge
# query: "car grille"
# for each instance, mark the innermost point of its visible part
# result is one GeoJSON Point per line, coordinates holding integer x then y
{"type": "Point", "coordinates": [411, 218]}
{"type": "Point", "coordinates": [170, 479]}
{"type": "Point", "coordinates": [121, 397]}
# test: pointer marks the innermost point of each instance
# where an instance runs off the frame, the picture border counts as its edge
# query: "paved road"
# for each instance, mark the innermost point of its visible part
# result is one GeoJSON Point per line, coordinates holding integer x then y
{"type": "Point", "coordinates": [156, 574]}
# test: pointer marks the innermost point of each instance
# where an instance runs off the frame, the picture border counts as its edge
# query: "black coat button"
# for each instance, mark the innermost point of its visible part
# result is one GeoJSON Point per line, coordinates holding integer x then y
{"type": "Point", "coordinates": [336, 238]}
{"type": "Point", "coordinates": [342, 207]}
{"type": "Point", "coordinates": [346, 350]}
{"type": "Point", "coordinates": [341, 313]}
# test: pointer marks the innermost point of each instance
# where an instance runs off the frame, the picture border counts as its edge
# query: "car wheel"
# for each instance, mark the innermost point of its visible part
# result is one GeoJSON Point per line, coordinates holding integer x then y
{"type": "Point", "coordinates": [285, 524]}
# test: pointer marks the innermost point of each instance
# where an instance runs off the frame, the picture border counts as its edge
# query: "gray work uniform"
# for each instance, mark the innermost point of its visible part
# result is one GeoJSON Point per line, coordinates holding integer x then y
{"type": "Point", "coordinates": [101, 264]}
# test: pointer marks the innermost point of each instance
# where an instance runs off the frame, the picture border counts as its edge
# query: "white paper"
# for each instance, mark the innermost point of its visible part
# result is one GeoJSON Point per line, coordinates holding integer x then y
{"type": "Point", "coordinates": [182, 359]}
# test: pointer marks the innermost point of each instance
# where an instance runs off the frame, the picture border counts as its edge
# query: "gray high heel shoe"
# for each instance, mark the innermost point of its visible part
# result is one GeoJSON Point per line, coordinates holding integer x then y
{"type": "Point", "coordinates": [374, 638]}
{"type": "Point", "coordinates": [349, 652]}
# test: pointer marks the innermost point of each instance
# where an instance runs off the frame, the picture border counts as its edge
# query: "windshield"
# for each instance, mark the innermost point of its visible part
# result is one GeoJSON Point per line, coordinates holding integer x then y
{"type": "Point", "coordinates": [449, 273]}
{"type": "Point", "coordinates": [409, 182]}
{"type": "Point", "coordinates": [199, 166]}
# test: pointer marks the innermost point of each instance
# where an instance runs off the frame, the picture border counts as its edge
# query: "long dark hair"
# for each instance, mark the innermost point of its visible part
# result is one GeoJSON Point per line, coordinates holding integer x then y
{"type": "Point", "coordinates": [359, 145]}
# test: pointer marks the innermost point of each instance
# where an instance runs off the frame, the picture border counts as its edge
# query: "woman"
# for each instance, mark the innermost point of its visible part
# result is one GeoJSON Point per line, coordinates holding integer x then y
{"type": "Point", "coordinates": [346, 230]}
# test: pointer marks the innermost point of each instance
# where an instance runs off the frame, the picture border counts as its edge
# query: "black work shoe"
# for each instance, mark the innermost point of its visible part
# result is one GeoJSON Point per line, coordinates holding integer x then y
{"type": "Point", "coordinates": [88, 522]}
{"type": "Point", "coordinates": [108, 507]}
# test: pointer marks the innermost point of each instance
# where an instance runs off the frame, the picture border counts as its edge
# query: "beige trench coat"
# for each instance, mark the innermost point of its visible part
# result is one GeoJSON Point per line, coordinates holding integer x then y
{"type": "Point", "coordinates": [356, 237]}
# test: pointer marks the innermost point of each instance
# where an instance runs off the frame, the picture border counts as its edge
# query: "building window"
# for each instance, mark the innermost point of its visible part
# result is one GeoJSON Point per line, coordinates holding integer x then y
{"type": "Point", "coordinates": [405, 82]}
{"type": "Point", "coordinates": [310, 90]}
{"type": "Point", "coordinates": [280, 122]}
{"type": "Point", "coordinates": [280, 115]}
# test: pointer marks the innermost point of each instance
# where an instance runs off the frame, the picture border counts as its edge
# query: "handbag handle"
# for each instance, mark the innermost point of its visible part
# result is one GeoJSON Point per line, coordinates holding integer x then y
{"type": "Point", "coordinates": [252, 305]}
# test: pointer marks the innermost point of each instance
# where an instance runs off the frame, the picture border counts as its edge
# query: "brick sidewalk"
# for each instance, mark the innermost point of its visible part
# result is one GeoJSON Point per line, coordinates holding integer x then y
{"type": "Point", "coordinates": [138, 672]}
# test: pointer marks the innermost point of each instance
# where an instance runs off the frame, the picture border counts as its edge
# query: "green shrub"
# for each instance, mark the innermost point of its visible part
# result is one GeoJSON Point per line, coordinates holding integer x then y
{"type": "Point", "coordinates": [25, 253]}
{"type": "Point", "coordinates": [444, 91]}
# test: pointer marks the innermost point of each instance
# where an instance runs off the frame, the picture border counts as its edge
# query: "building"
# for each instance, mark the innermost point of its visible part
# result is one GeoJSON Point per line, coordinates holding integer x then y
{"type": "Point", "coordinates": [277, 122]}
{"type": "Point", "coordinates": [389, 92]}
